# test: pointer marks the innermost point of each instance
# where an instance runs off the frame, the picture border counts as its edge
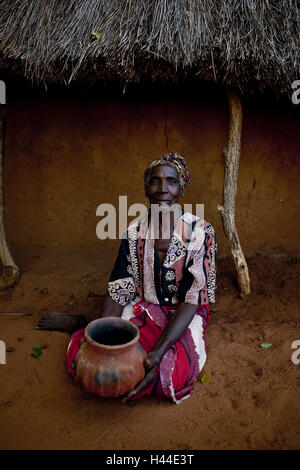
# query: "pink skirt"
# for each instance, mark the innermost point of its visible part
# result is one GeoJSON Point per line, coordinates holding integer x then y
{"type": "Point", "coordinates": [180, 365]}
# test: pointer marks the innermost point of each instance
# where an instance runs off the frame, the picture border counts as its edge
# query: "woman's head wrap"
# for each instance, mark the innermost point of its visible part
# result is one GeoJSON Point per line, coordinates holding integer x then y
{"type": "Point", "coordinates": [176, 161]}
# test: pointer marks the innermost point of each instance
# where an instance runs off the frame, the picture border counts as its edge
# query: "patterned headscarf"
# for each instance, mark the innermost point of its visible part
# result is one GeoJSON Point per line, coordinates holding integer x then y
{"type": "Point", "coordinates": [173, 159]}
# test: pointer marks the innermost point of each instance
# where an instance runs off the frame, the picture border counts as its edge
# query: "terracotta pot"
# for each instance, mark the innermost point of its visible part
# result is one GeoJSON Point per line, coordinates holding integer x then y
{"type": "Point", "coordinates": [109, 362]}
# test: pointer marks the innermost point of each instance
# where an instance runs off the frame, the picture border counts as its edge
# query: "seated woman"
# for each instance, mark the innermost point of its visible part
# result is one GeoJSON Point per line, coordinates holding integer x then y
{"type": "Point", "coordinates": [162, 284]}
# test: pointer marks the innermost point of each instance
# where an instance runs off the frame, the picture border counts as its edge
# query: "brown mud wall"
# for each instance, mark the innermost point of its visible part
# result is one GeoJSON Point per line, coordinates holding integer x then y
{"type": "Point", "coordinates": [67, 152]}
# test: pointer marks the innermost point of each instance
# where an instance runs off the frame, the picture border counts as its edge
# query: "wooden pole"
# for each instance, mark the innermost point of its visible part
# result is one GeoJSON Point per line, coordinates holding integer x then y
{"type": "Point", "coordinates": [10, 271]}
{"type": "Point", "coordinates": [227, 210]}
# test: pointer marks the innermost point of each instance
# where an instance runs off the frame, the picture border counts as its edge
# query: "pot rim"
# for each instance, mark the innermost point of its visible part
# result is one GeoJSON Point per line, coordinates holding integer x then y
{"type": "Point", "coordinates": [107, 346]}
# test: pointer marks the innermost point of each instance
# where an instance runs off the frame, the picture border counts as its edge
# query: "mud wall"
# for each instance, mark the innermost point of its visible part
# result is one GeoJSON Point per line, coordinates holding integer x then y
{"type": "Point", "coordinates": [67, 152]}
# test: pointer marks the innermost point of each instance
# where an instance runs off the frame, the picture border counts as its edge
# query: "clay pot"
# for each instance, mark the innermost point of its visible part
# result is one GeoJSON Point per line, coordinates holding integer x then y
{"type": "Point", "coordinates": [109, 362]}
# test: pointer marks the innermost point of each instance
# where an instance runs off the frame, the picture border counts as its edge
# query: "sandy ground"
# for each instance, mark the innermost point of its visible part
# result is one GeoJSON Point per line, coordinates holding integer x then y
{"type": "Point", "coordinates": [252, 399]}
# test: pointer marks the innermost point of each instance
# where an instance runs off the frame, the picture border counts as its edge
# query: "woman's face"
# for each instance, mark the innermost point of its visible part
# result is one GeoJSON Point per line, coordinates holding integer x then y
{"type": "Point", "coordinates": [164, 186]}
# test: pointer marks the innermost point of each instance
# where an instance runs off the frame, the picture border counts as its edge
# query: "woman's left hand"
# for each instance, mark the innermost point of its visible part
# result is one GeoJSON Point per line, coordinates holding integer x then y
{"type": "Point", "coordinates": [150, 364]}
{"type": "Point", "coordinates": [174, 329]}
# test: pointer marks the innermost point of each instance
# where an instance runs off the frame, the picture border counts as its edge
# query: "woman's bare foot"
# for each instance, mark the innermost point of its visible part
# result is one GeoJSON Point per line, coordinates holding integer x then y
{"type": "Point", "coordinates": [61, 322]}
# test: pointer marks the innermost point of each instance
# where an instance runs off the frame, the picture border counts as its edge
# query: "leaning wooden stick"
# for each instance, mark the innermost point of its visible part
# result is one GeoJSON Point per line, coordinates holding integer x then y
{"type": "Point", "coordinates": [227, 210]}
{"type": "Point", "coordinates": [10, 271]}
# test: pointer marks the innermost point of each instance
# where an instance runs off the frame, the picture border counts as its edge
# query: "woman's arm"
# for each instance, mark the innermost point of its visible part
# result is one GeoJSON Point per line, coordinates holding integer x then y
{"type": "Point", "coordinates": [110, 308]}
{"type": "Point", "coordinates": [175, 328]}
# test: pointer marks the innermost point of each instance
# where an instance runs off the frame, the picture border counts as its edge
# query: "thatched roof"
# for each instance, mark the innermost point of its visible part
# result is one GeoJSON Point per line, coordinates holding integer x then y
{"type": "Point", "coordinates": [252, 44]}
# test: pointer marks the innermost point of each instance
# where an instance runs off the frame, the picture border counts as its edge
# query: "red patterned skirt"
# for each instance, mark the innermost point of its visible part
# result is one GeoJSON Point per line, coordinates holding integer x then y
{"type": "Point", "coordinates": [180, 365]}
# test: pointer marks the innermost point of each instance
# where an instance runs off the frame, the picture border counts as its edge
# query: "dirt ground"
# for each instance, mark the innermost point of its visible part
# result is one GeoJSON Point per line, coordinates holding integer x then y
{"type": "Point", "coordinates": [252, 399]}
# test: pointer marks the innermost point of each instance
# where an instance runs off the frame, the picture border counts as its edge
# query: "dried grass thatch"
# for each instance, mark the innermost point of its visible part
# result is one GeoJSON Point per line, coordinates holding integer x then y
{"type": "Point", "coordinates": [247, 43]}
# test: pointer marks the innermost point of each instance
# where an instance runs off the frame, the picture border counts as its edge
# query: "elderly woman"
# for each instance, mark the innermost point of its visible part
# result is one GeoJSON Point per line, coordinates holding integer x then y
{"type": "Point", "coordinates": [163, 285]}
